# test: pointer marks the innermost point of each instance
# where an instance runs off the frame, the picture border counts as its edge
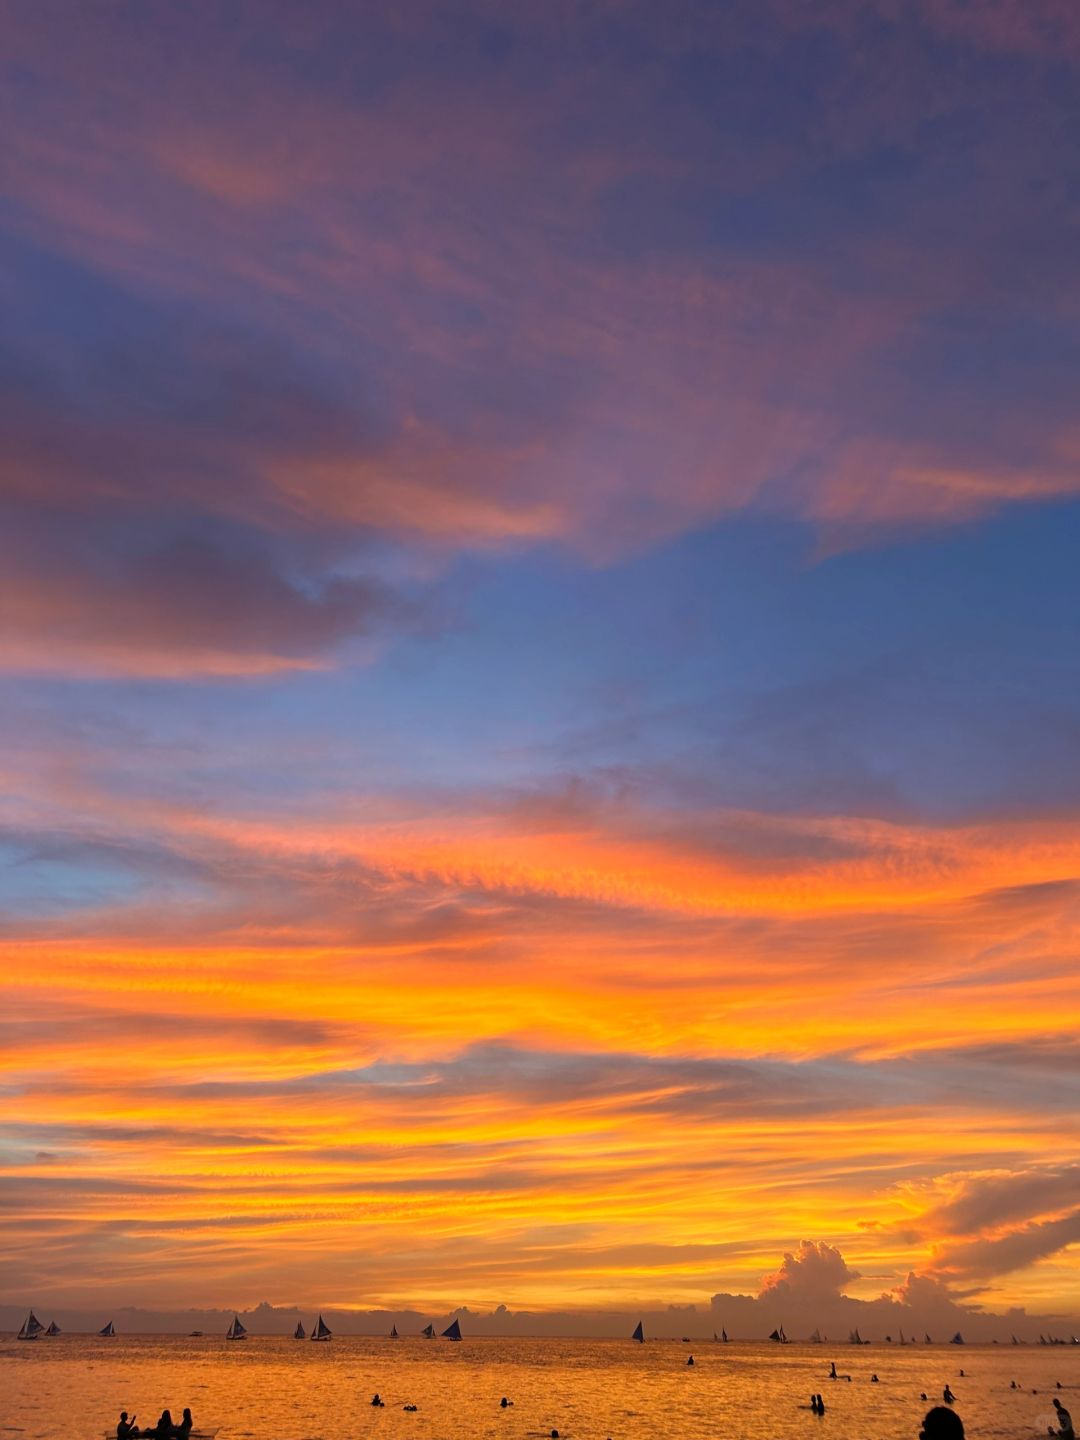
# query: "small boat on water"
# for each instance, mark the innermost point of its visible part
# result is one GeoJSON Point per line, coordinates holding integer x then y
{"type": "Point", "coordinates": [321, 1330]}
{"type": "Point", "coordinates": [957, 1339]}
{"type": "Point", "coordinates": [393, 1333]}
{"type": "Point", "coordinates": [109, 1329]}
{"type": "Point", "coordinates": [815, 1338]}
{"type": "Point", "coordinates": [452, 1331]}
{"type": "Point", "coordinates": [428, 1332]}
{"type": "Point", "coordinates": [192, 1434]}
{"type": "Point", "coordinates": [299, 1333]}
{"type": "Point", "coordinates": [31, 1328]}
{"type": "Point", "coordinates": [639, 1333]}
{"type": "Point", "coordinates": [195, 1334]}
{"type": "Point", "coordinates": [53, 1329]}
{"type": "Point", "coordinates": [236, 1330]}
{"type": "Point", "coordinates": [778, 1337]}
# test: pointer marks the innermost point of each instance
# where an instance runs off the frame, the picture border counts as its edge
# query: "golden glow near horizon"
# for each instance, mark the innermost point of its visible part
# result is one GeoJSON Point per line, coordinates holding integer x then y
{"type": "Point", "coordinates": [647, 1105]}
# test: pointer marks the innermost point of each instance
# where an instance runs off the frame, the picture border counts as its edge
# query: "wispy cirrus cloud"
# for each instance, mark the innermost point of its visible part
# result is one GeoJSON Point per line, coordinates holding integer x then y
{"type": "Point", "coordinates": [530, 339]}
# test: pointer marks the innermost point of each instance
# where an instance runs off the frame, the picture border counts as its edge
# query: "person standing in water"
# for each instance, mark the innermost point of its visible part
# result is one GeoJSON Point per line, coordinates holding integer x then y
{"type": "Point", "coordinates": [1064, 1419]}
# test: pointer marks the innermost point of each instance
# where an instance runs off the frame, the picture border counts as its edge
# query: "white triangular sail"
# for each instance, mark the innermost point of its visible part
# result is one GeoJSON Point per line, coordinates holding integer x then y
{"type": "Point", "coordinates": [109, 1329]}
{"type": "Point", "coordinates": [321, 1330]}
{"type": "Point", "coordinates": [236, 1330]}
{"type": "Point", "coordinates": [31, 1327]}
{"type": "Point", "coordinates": [53, 1329]}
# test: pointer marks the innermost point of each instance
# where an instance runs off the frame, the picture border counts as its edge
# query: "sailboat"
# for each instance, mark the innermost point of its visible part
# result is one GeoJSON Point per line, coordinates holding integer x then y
{"type": "Point", "coordinates": [428, 1332]}
{"type": "Point", "coordinates": [856, 1339]}
{"type": "Point", "coordinates": [779, 1336]}
{"type": "Point", "coordinates": [815, 1338]}
{"type": "Point", "coordinates": [926, 1340]}
{"type": "Point", "coordinates": [321, 1330]}
{"type": "Point", "coordinates": [957, 1339]}
{"type": "Point", "coordinates": [452, 1331]}
{"type": "Point", "coordinates": [723, 1336]}
{"type": "Point", "coordinates": [639, 1334]}
{"type": "Point", "coordinates": [31, 1327]}
{"type": "Point", "coordinates": [902, 1340]}
{"type": "Point", "coordinates": [109, 1329]}
{"type": "Point", "coordinates": [393, 1333]}
{"type": "Point", "coordinates": [53, 1329]}
{"type": "Point", "coordinates": [299, 1333]}
{"type": "Point", "coordinates": [236, 1330]}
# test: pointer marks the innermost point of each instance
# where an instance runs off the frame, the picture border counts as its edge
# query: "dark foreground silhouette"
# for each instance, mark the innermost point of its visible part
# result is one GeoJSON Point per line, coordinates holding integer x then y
{"type": "Point", "coordinates": [940, 1423]}
{"type": "Point", "coordinates": [126, 1429]}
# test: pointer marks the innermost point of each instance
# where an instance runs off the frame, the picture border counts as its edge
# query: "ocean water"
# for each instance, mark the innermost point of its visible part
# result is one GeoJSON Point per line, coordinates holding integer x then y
{"type": "Point", "coordinates": [73, 1388]}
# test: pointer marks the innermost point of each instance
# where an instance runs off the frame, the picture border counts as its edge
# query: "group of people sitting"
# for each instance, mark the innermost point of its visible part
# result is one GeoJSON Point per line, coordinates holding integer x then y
{"type": "Point", "coordinates": [165, 1429]}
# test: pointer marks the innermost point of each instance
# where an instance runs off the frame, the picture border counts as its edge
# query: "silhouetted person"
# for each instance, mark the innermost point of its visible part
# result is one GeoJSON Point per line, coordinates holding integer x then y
{"type": "Point", "coordinates": [832, 1371]}
{"type": "Point", "coordinates": [947, 1396]}
{"type": "Point", "coordinates": [186, 1423]}
{"type": "Point", "coordinates": [873, 1380]}
{"type": "Point", "coordinates": [941, 1424]}
{"type": "Point", "coordinates": [126, 1429]}
{"type": "Point", "coordinates": [690, 1361]}
{"type": "Point", "coordinates": [922, 1394]}
{"type": "Point", "coordinates": [1065, 1425]}
{"type": "Point", "coordinates": [820, 1405]}
{"type": "Point", "coordinates": [164, 1429]}
{"type": "Point", "coordinates": [504, 1402]}
{"type": "Point", "coordinates": [1013, 1385]}
{"type": "Point", "coordinates": [376, 1400]}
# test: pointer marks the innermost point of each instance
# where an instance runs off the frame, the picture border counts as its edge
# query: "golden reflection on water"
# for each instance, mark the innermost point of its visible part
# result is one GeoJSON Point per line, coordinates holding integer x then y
{"type": "Point", "coordinates": [272, 1388]}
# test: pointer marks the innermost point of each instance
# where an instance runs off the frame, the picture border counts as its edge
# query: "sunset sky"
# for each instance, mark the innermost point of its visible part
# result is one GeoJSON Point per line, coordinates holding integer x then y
{"type": "Point", "coordinates": [540, 651]}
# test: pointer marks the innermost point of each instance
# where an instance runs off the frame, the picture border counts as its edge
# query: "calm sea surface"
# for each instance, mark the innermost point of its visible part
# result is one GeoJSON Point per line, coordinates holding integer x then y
{"type": "Point", "coordinates": [73, 1387]}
